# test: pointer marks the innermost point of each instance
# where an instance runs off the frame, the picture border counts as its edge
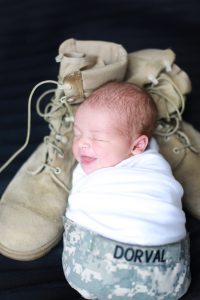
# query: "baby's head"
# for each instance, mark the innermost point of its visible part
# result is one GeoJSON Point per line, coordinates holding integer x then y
{"type": "Point", "coordinates": [115, 122]}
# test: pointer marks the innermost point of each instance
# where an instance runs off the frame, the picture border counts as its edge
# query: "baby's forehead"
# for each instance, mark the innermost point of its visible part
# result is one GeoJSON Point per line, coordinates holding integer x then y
{"type": "Point", "coordinates": [98, 108]}
{"type": "Point", "coordinates": [101, 118]}
{"type": "Point", "coordinates": [102, 114]}
{"type": "Point", "coordinates": [90, 110]}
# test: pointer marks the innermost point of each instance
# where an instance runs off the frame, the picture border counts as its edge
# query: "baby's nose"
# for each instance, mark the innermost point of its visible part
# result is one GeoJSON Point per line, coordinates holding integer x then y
{"type": "Point", "coordinates": [84, 142]}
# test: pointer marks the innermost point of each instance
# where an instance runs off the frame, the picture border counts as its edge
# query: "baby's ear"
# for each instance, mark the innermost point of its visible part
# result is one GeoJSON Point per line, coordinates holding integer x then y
{"type": "Point", "coordinates": [139, 145]}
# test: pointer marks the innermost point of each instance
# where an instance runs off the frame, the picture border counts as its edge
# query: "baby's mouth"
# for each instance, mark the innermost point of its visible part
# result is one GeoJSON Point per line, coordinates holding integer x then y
{"type": "Point", "coordinates": [87, 159]}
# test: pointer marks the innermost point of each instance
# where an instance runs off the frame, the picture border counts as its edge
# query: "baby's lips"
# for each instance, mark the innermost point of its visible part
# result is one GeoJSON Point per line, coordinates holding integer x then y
{"type": "Point", "coordinates": [87, 159]}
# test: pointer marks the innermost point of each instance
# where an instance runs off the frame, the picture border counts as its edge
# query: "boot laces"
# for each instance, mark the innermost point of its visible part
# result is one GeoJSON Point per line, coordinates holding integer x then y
{"type": "Point", "coordinates": [156, 90]}
{"type": "Point", "coordinates": [167, 129]}
{"type": "Point", "coordinates": [58, 107]}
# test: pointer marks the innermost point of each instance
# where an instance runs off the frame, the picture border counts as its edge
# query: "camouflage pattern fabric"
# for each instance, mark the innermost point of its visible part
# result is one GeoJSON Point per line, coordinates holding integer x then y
{"type": "Point", "coordinates": [100, 268]}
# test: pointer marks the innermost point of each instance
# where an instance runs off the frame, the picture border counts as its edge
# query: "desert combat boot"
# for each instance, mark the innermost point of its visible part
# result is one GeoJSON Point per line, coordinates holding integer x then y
{"type": "Point", "coordinates": [33, 205]}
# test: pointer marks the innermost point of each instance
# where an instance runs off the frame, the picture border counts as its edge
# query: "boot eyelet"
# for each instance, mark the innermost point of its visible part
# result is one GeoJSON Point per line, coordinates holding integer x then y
{"type": "Point", "coordinates": [176, 150]}
{"type": "Point", "coordinates": [68, 119]}
{"type": "Point", "coordinates": [61, 156]}
{"type": "Point", "coordinates": [64, 141]}
{"type": "Point", "coordinates": [57, 171]}
{"type": "Point", "coordinates": [71, 99]}
{"type": "Point", "coordinates": [63, 100]}
{"type": "Point", "coordinates": [67, 86]}
{"type": "Point", "coordinates": [166, 138]}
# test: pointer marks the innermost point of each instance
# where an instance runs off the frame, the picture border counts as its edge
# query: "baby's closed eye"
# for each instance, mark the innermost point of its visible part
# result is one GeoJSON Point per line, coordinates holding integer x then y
{"type": "Point", "coordinates": [100, 139]}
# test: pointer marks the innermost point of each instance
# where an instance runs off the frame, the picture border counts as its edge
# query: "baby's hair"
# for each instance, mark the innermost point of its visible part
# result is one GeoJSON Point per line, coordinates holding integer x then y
{"type": "Point", "coordinates": [130, 103]}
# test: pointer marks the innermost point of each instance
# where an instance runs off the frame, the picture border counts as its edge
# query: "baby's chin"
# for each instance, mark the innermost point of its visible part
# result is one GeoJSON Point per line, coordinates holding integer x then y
{"type": "Point", "coordinates": [88, 169]}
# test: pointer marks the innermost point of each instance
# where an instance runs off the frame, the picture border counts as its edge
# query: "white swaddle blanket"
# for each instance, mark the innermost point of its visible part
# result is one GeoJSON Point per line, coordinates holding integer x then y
{"type": "Point", "coordinates": [138, 201]}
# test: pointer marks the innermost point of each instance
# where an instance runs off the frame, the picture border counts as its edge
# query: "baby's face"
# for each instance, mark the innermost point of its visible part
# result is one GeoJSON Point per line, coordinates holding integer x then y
{"type": "Point", "coordinates": [97, 141]}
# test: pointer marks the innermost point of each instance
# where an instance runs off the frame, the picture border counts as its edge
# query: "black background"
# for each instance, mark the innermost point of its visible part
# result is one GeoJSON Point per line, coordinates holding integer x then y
{"type": "Point", "coordinates": [30, 34]}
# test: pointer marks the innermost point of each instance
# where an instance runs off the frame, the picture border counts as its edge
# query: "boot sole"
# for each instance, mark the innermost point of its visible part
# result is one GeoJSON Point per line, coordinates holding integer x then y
{"type": "Point", "coordinates": [29, 255]}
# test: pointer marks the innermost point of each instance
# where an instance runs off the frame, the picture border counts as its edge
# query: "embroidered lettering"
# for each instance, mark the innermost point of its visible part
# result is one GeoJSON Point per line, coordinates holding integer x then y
{"type": "Point", "coordinates": [119, 251]}
{"type": "Point", "coordinates": [157, 256]}
{"type": "Point", "coordinates": [139, 255]}
{"type": "Point", "coordinates": [162, 256]}
{"type": "Point", "coordinates": [129, 254]}
{"type": "Point", "coordinates": [148, 255]}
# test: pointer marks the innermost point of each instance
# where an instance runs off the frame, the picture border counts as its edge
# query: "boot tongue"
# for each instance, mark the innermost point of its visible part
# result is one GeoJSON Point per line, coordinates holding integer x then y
{"type": "Point", "coordinates": [168, 97]}
{"type": "Point", "coordinates": [145, 65]}
{"type": "Point", "coordinates": [74, 61]}
{"type": "Point", "coordinates": [70, 77]}
{"type": "Point", "coordinates": [170, 92]}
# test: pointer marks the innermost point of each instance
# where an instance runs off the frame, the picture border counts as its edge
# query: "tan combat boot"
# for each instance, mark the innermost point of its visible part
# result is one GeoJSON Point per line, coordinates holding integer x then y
{"type": "Point", "coordinates": [178, 141]}
{"type": "Point", "coordinates": [144, 66]}
{"type": "Point", "coordinates": [32, 207]}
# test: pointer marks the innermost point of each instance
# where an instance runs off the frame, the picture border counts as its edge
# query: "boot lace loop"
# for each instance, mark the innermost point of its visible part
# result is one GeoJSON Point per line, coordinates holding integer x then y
{"type": "Point", "coordinates": [4, 166]}
{"type": "Point", "coordinates": [58, 107]}
{"type": "Point", "coordinates": [165, 128]}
